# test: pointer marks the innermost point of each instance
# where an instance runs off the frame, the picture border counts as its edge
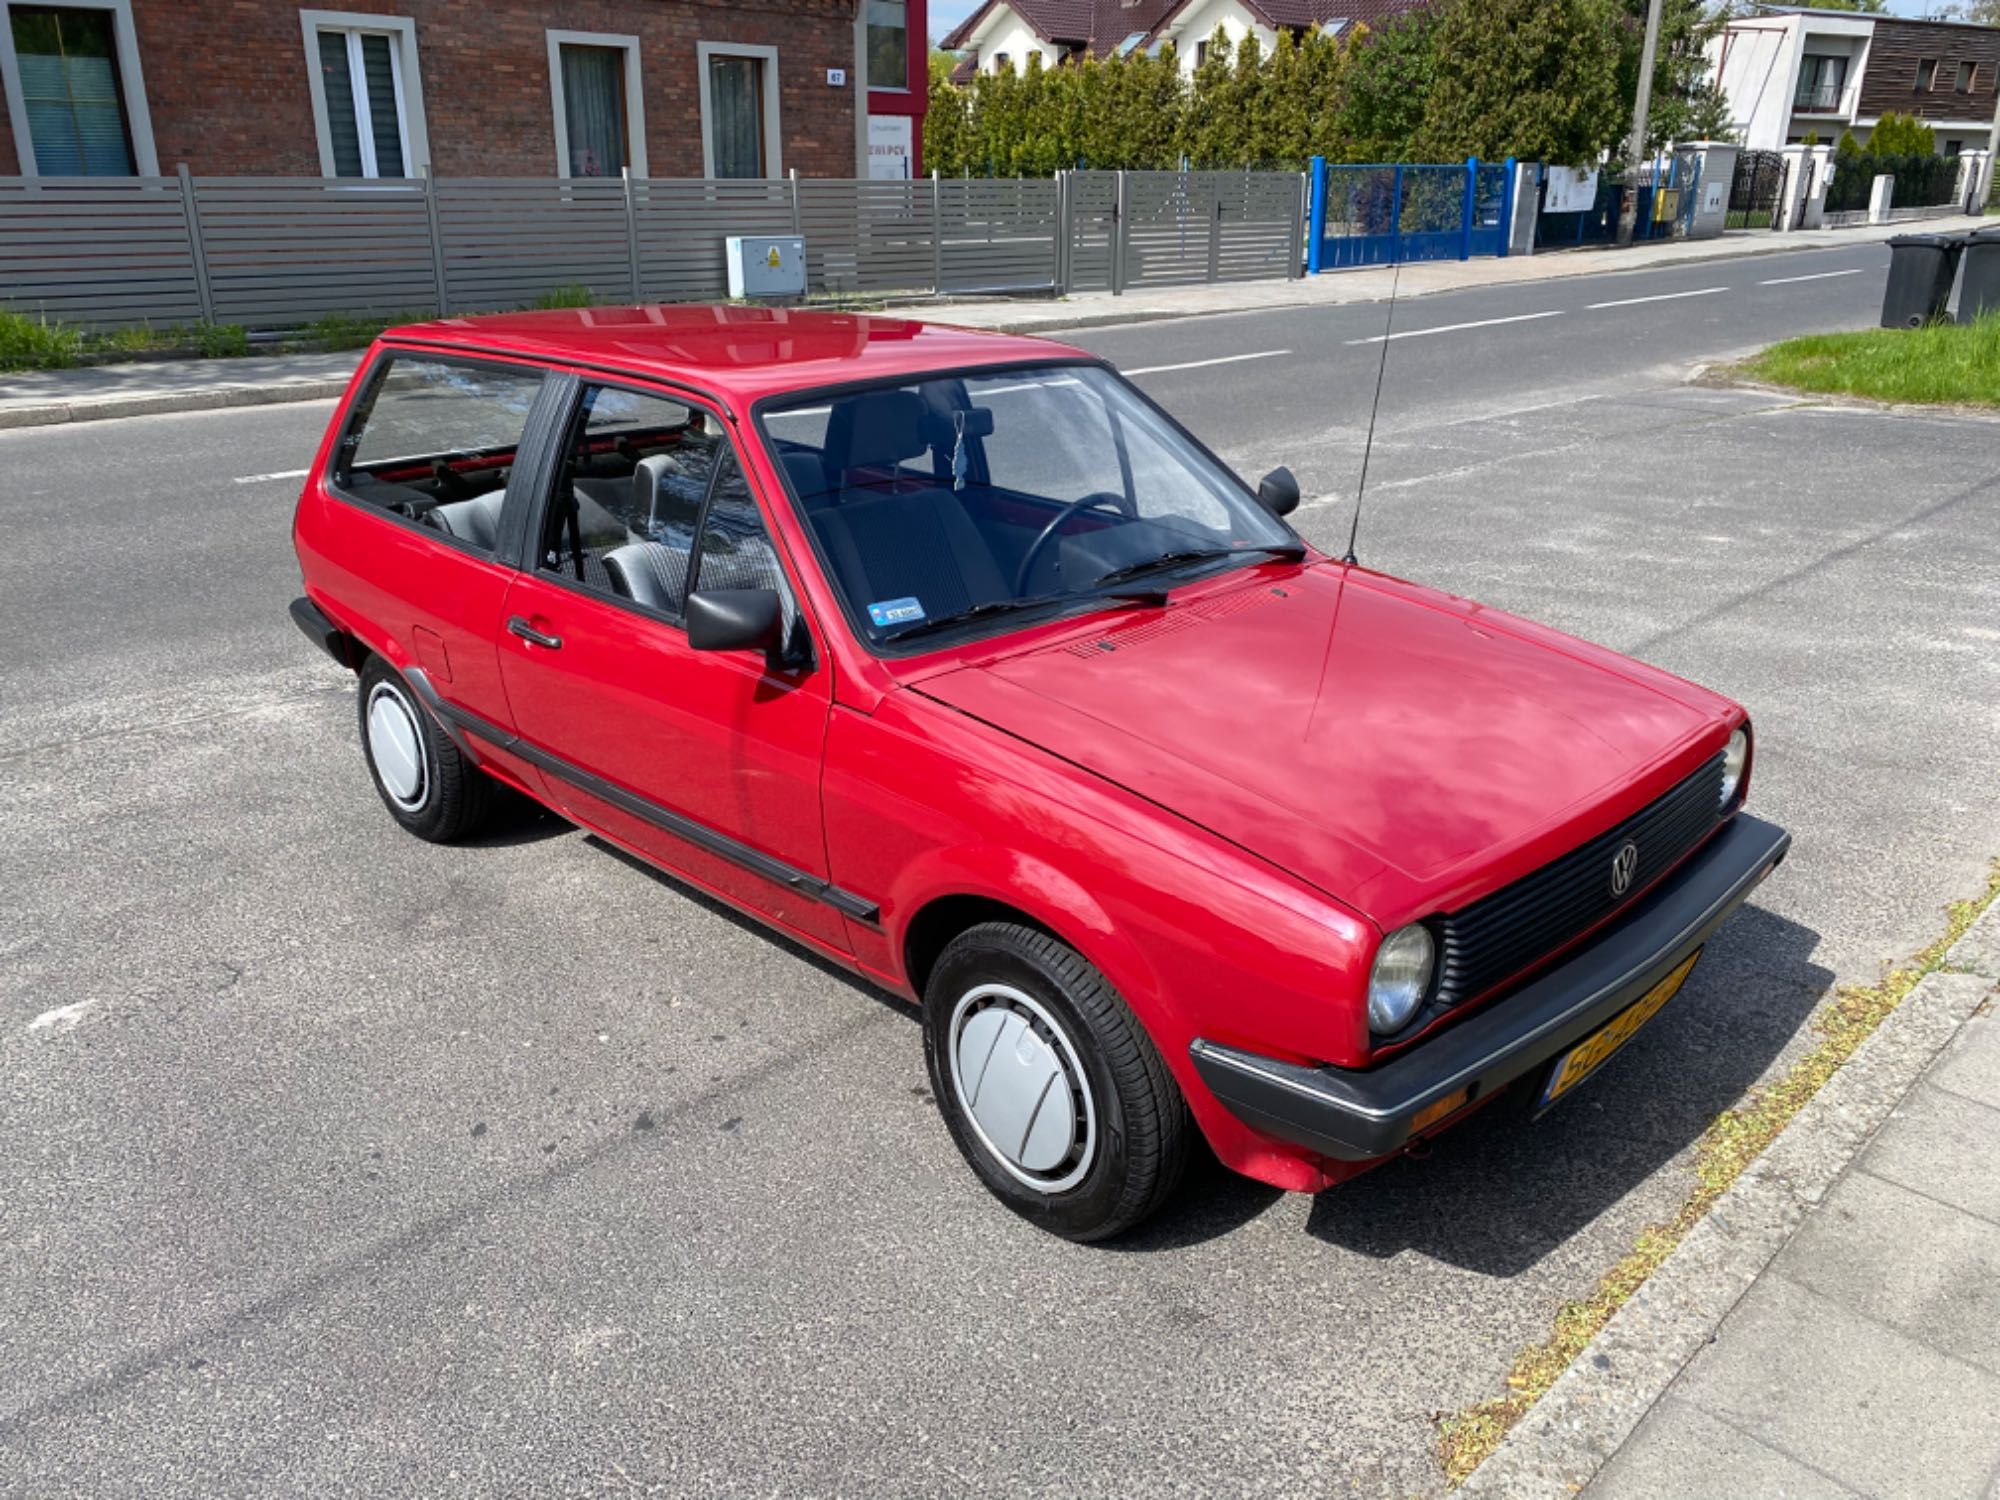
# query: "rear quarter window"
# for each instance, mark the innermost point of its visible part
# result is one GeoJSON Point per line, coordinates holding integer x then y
{"type": "Point", "coordinates": [434, 441]}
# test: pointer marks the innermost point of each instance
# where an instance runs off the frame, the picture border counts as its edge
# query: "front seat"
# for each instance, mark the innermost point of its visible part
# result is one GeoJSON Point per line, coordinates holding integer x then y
{"type": "Point", "coordinates": [908, 543]}
{"type": "Point", "coordinates": [476, 521]}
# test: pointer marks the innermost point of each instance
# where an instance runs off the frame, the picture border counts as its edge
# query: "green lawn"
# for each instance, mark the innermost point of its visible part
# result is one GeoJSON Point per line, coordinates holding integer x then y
{"type": "Point", "coordinates": [1943, 364]}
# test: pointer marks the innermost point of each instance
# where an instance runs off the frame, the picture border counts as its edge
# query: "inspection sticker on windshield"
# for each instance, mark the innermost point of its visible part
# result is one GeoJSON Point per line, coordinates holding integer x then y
{"type": "Point", "coordinates": [896, 611]}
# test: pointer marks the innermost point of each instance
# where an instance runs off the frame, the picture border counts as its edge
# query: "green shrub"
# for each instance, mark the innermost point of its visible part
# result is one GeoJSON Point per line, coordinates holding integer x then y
{"type": "Point", "coordinates": [34, 343]}
{"type": "Point", "coordinates": [220, 340]}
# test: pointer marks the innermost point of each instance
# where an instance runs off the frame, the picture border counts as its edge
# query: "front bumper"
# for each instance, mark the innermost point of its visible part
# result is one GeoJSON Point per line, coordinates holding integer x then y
{"type": "Point", "coordinates": [1354, 1114]}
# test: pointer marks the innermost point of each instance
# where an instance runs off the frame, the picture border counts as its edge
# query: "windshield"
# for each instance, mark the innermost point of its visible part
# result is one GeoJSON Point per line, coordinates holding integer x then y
{"type": "Point", "coordinates": [969, 502]}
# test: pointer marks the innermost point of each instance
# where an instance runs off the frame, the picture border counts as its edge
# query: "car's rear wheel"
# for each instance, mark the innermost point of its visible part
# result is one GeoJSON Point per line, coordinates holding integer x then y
{"type": "Point", "coordinates": [1051, 1088]}
{"type": "Point", "coordinates": [422, 777]}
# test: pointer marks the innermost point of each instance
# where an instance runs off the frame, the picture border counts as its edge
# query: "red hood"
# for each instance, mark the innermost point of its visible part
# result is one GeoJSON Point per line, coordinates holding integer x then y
{"type": "Point", "coordinates": [1402, 750]}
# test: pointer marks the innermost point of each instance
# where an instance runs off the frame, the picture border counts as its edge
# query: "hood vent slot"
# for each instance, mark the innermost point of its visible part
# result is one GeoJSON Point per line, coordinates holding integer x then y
{"type": "Point", "coordinates": [1173, 620]}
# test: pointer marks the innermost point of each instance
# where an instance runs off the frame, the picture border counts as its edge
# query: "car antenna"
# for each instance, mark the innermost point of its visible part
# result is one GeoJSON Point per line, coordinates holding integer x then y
{"type": "Point", "coordinates": [1388, 336]}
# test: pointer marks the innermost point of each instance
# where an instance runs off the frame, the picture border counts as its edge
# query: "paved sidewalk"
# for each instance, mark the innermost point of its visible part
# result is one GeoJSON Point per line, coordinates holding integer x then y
{"type": "Point", "coordinates": [41, 397]}
{"type": "Point", "coordinates": [1865, 1360]}
{"type": "Point", "coordinates": [1832, 1327]}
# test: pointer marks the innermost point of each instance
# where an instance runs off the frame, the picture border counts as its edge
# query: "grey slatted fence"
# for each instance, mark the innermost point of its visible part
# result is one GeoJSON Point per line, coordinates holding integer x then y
{"type": "Point", "coordinates": [281, 251]}
{"type": "Point", "coordinates": [997, 236]}
{"type": "Point", "coordinates": [274, 253]}
{"type": "Point", "coordinates": [98, 251]}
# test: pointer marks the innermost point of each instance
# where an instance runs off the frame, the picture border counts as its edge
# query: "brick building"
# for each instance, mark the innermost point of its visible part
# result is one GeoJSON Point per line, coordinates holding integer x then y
{"type": "Point", "coordinates": [666, 88]}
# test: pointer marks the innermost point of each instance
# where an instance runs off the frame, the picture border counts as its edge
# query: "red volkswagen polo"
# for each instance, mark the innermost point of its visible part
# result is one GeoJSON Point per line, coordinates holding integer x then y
{"type": "Point", "coordinates": [954, 658]}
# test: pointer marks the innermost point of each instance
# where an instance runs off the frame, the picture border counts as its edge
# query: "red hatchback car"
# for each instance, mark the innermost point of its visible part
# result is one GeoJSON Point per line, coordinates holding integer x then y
{"type": "Point", "coordinates": [954, 658]}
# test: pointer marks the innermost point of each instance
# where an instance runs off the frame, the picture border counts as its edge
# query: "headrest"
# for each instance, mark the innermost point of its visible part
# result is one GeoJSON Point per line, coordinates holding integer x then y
{"type": "Point", "coordinates": [663, 492]}
{"type": "Point", "coordinates": [876, 428]}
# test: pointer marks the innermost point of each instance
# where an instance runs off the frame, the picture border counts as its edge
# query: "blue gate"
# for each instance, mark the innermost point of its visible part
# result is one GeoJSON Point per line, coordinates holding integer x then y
{"type": "Point", "coordinates": [1383, 214]}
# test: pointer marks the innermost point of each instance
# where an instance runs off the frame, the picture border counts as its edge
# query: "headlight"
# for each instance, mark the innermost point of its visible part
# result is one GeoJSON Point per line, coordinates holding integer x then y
{"type": "Point", "coordinates": [1401, 975]}
{"type": "Point", "coordinates": [1735, 756]}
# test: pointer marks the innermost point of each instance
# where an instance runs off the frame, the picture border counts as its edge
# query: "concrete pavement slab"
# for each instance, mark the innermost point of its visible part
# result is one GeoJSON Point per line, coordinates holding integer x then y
{"type": "Point", "coordinates": [1683, 1451]}
{"type": "Point", "coordinates": [1897, 1257]}
{"type": "Point", "coordinates": [1848, 1396]}
{"type": "Point", "coordinates": [1926, 1146]}
{"type": "Point", "coordinates": [1971, 1066]}
{"type": "Point", "coordinates": [1979, 949]}
{"type": "Point", "coordinates": [39, 398]}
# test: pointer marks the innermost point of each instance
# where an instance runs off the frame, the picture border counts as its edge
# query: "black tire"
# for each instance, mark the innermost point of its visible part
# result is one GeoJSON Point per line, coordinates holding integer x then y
{"type": "Point", "coordinates": [451, 798]}
{"type": "Point", "coordinates": [1138, 1139]}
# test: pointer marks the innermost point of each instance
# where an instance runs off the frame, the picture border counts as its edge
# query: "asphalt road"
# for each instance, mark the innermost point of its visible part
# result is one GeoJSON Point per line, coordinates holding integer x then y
{"type": "Point", "coordinates": [334, 1161]}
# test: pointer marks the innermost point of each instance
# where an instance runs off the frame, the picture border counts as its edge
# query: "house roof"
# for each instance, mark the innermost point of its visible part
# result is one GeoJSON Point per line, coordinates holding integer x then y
{"type": "Point", "coordinates": [1101, 25]}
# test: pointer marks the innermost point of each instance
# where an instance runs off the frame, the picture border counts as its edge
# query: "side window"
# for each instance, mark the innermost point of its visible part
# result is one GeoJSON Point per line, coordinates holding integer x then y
{"type": "Point", "coordinates": [736, 551]}
{"type": "Point", "coordinates": [434, 440]}
{"type": "Point", "coordinates": [635, 470]}
{"type": "Point", "coordinates": [643, 478]}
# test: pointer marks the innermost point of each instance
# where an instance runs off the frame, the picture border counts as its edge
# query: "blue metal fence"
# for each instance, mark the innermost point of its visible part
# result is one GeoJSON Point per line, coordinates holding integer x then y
{"type": "Point", "coordinates": [1383, 214]}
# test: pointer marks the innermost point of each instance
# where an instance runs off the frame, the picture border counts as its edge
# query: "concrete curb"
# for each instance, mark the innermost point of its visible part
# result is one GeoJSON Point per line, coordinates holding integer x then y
{"type": "Point", "coordinates": [1570, 1434]}
{"type": "Point", "coordinates": [210, 398]}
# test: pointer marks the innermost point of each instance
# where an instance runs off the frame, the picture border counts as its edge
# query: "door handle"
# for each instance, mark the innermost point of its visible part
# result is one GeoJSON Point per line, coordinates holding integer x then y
{"type": "Point", "coordinates": [533, 636]}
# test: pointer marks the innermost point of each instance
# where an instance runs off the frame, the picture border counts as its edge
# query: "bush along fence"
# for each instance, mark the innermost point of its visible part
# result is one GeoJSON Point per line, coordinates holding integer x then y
{"type": "Point", "coordinates": [277, 253]}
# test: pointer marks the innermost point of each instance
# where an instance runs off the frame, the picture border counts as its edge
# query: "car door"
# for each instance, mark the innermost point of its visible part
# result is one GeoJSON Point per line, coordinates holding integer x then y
{"type": "Point", "coordinates": [706, 762]}
{"type": "Point", "coordinates": [433, 463]}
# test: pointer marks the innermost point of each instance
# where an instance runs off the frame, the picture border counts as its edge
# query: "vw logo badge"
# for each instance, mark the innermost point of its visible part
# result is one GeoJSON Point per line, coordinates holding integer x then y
{"type": "Point", "coordinates": [1624, 865]}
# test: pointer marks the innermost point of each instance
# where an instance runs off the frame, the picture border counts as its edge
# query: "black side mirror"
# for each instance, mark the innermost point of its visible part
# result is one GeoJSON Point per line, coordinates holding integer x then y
{"type": "Point", "coordinates": [1278, 492]}
{"type": "Point", "coordinates": [735, 620]}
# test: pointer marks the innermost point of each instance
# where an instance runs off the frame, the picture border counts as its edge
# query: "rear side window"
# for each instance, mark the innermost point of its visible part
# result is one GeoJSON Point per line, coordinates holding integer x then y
{"type": "Point", "coordinates": [435, 440]}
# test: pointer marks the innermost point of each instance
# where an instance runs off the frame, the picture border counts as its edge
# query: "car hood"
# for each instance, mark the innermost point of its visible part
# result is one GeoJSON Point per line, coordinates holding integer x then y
{"type": "Point", "coordinates": [1402, 750]}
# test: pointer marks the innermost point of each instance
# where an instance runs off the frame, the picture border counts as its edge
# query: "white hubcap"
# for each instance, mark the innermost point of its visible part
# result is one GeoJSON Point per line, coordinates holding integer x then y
{"type": "Point", "coordinates": [396, 747]}
{"type": "Point", "coordinates": [1023, 1088]}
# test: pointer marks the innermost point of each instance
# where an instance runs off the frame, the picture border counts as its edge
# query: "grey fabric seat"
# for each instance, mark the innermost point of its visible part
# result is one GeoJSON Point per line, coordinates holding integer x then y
{"type": "Point", "coordinates": [916, 543]}
{"type": "Point", "coordinates": [648, 573]}
{"type": "Point", "coordinates": [476, 521]}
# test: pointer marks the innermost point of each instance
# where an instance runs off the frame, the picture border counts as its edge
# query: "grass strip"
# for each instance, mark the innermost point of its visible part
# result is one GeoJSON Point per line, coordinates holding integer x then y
{"type": "Point", "coordinates": [1951, 364]}
{"type": "Point", "coordinates": [1732, 1141]}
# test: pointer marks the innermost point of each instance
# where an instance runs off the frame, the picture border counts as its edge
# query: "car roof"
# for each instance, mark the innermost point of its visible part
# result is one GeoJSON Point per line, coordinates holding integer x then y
{"type": "Point", "coordinates": [742, 352]}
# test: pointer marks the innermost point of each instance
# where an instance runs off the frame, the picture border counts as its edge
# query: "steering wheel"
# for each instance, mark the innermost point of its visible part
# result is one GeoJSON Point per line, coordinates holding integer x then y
{"type": "Point", "coordinates": [1100, 499]}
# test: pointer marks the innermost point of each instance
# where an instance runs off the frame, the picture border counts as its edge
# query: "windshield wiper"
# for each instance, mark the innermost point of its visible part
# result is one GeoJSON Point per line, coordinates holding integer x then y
{"type": "Point", "coordinates": [1293, 550]}
{"type": "Point", "coordinates": [1148, 597]}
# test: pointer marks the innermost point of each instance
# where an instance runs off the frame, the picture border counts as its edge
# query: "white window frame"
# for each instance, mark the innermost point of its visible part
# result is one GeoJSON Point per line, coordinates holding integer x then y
{"type": "Point", "coordinates": [131, 83]}
{"type": "Point", "coordinates": [635, 106]}
{"type": "Point", "coordinates": [774, 143]}
{"type": "Point", "coordinates": [407, 81]}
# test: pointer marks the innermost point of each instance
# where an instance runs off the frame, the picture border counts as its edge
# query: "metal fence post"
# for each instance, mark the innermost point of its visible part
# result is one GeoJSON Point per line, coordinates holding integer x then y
{"type": "Point", "coordinates": [1118, 238]}
{"type": "Point", "coordinates": [1064, 231]}
{"type": "Point", "coordinates": [797, 223]}
{"type": "Point", "coordinates": [1471, 213]}
{"type": "Point", "coordinates": [631, 235]}
{"type": "Point", "coordinates": [1316, 217]}
{"type": "Point", "coordinates": [1215, 237]}
{"type": "Point", "coordinates": [437, 241]}
{"type": "Point", "coordinates": [191, 211]}
{"type": "Point", "coordinates": [1396, 217]}
{"type": "Point", "coordinates": [1507, 210]}
{"type": "Point", "coordinates": [937, 235]}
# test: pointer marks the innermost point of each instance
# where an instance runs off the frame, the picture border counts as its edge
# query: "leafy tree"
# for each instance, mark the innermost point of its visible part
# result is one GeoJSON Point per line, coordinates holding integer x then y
{"type": "Point", "coordinates": [1687, 102]}
{"type": "Point", "coordinates": [947, 120]}
{"type": "Point", "coordinates": [1388, 80]}
{"type": "Point", "coordinates": [1529, 78]}
{"type": "Point", "coordinates": [1847, 145]}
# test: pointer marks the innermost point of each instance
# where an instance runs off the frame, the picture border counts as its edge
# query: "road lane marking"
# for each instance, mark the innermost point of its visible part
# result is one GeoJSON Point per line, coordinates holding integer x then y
{"type": "Point", "coordinates": [1816, 276]}
{"type": "Point", "coordinates": [1707, 291]}
{"type": "Point", "coordinates": [1418, 333]}
{"type": "Point", "coordinates": [264, 478]}
{"type": "Point", "coordinates": [1197, 364]}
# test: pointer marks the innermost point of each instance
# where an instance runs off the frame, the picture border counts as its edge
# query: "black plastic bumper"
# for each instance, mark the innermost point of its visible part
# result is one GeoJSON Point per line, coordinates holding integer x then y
{"type": "Point", "coordinates": [321, 631]}
{"type": "Point", "coordinates": [1356, 1115]}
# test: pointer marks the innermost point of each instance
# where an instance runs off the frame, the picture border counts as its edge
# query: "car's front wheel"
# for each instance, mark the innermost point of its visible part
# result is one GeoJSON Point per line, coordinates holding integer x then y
{"type": "Point", "coordinates": [1051, 1088]}
{"type": "Point", "coordinates": [423, 779]}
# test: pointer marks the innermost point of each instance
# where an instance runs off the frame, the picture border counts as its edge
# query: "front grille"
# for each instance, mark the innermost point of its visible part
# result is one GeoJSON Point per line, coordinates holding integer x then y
{"type": "Point", "coordinates": [1497, 936]}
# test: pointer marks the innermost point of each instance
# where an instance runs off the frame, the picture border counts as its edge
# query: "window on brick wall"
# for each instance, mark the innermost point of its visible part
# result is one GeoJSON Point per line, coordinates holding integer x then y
{"type": "Point", "coordinates": [70, 79]}
{"type": "Point", "coordinates": [599, 106]}
{"type": "Point", "coordinates": [739, 110]}
{"type": "Point", "coordinates": [367, 102]}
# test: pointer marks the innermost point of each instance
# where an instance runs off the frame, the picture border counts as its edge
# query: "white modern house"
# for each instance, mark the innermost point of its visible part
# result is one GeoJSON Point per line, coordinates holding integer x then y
{"type": "Point", "coordinates": [1792, 71]}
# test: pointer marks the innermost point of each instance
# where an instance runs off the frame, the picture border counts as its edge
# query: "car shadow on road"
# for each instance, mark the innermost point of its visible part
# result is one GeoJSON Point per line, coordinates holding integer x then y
{"type": "Point", "coordinates": [1502, 1191]}
{"type": "Point", "coordinates": [517, 819]}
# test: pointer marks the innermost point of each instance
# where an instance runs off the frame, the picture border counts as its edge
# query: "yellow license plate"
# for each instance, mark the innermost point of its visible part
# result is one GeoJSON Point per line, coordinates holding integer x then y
{"type": "Point", "coordinates": [1587, 1056]}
